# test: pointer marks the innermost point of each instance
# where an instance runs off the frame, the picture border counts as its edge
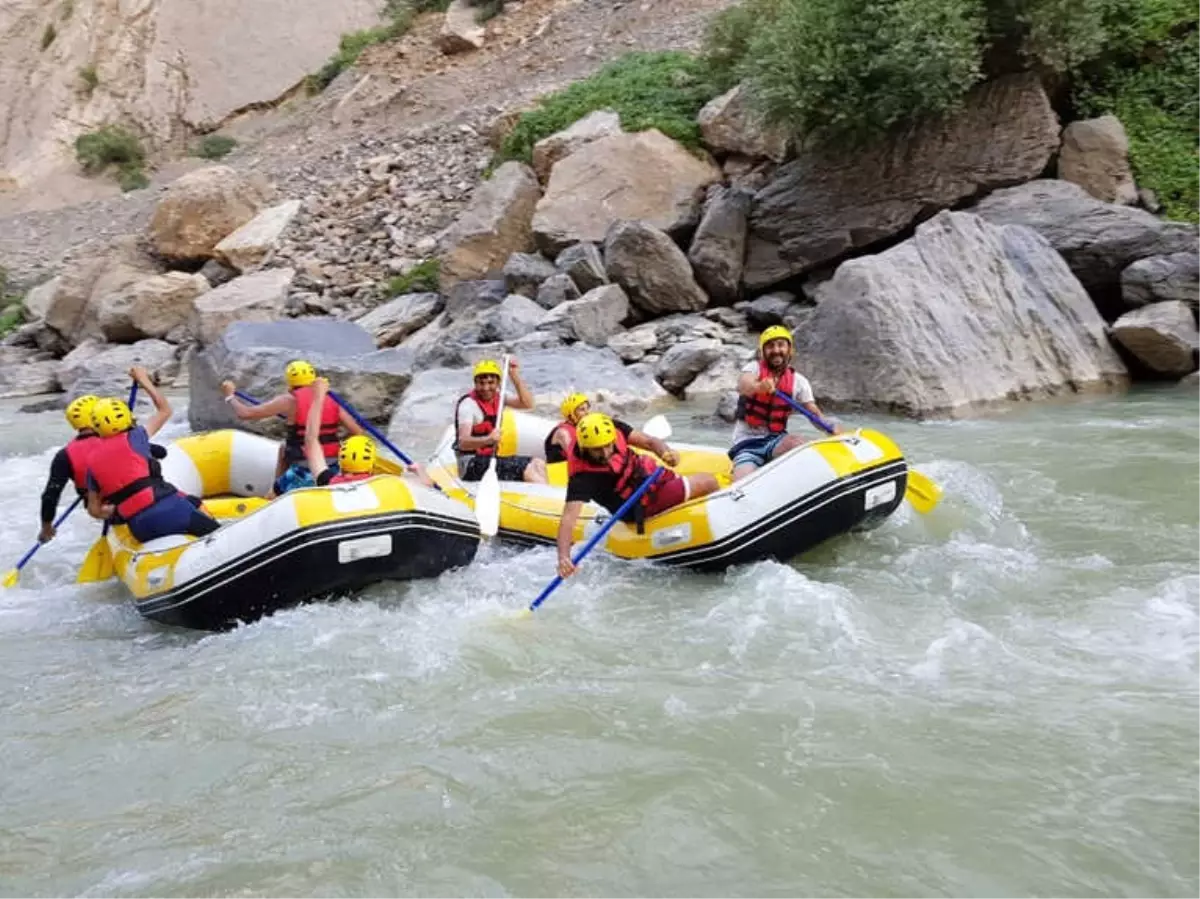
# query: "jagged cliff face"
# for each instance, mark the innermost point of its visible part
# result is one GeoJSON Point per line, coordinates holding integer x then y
{"type": "Point", "coordinates": [169, 68]}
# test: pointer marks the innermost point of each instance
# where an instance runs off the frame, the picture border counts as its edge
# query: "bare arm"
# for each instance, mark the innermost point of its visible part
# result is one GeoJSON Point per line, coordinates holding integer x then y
{"type": "Point", "coordinates": [816, 410]}
{"type": "Point", "coordinates": [654, 445]}
{"type": "Point", "coordinates": [566, 530]}
{"type": "Point", "coordinates": [96, 506]}
{"type": "Point", "coordinates": [469, 444]}
{"type": "Point", "coordinates": [524, 398]}
{"type": "Point", "coordinates": [347, 421]}
{"type": "Point", "coordinates": [162, 409]}
{"type": "Point", "coordinates": [279, 405]}
{"type": "Point", "coordinates": [313, 450]}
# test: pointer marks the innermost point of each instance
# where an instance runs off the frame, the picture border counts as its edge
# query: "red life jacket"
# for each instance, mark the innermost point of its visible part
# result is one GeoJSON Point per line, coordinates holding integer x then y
{"type": "Point", "coordinates": [485, 427]}
{"type": "Point", "coordinates": [554, 452]}
{"type": "Point", "coordinates": [125, 477]}
{"type": "Point", "coordinates": [347, 478]}
{"type": "Point", "coordinates": [79, 451]}
{"type": "Point", "coordinates": [629, 469]}
{"type": "Point", "coordinates": [770, 412]}
{"type": "Point", "coordinates": [329, 423]}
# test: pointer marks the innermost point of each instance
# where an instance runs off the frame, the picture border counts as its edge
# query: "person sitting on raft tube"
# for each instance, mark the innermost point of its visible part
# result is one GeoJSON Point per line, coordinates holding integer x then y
{"type": "Point", "coordinates": [602, 467]}
{"type": "Point", "coordinates": [125, 478]}
{"type": "Point", "coordinates": [294, 406]}
{"type": "Point", "coordinates": [560, 440]}
{"type": "Point", "coordinates": [69, 464]}
{"type": "Point", "coordinates": [760, 429]}
{"type": "Point", "coordinates": [478, 431]}
{"type": "Point", "coordinates": [356, 454]}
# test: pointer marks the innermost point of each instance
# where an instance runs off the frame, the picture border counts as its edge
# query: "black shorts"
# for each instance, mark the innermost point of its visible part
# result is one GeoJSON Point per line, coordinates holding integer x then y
{"type": "Point", "coordinates": [508, 468]}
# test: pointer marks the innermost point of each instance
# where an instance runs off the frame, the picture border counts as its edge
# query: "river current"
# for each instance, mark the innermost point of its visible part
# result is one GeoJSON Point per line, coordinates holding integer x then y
{"type": "Point", "coordinates": [1000, 698]}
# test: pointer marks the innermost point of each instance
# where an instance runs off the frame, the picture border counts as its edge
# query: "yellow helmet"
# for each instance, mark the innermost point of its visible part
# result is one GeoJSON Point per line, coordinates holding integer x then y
{"type": "Point", "coordinates": [111, 416]}
{"type": "Point", "coordinates": [595, 430]}
{"type": "Point", "coordinates": [79, 412]}
{"type": "Point", "coordinates": [572, 403]}
{"type": "Point", "coordinates": [356, 454]}
{"type": "Point", "coordinates": [486, 367]}
{"type": "Point", "coordinates": [775, 332]}
{"type": "Point", "coordinates": [299, 373]}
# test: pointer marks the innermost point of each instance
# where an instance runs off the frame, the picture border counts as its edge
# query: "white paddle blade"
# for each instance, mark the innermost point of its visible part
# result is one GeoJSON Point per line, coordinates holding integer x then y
{"type": "Point", "coordinates": [657, 427]}
{"type": "Point", "coordinates": [487, 502]}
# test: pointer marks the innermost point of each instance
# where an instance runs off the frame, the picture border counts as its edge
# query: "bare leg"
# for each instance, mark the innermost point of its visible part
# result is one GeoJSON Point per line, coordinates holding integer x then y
{"type": "Point", "coordinates": [744, 470]}
{"type": "Point", "coordinates": [702, 485]}
{"type": "Point", "coordinates": [787, 444]}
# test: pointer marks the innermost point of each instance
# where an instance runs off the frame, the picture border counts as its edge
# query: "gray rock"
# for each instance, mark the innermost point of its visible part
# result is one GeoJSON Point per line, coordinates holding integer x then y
{"type": "Point", "coordinates": [494, 225]}
{"type": "Point", "coordinates": [467, 298]}
{"type": "Point", "coordinates": [217, 273]}
{"type": "Point", "coordinates": [584, 264]}
{"type": "Point", "coordinates": [103, 369]}
{"type": "Point", "coordinates": [635, 343]}
{"type": "Point", "coordinates": [37, 301]}
{"type": "Point", "coordinates": [96, 271]}
{"type": "Point", "coordinates": [153, 307]}
{"type": "Point", "coordinates": [26, 372]}
{"type": "Point", "coordinates": [513, 318]}
{"type": "Point", "coordinates": [961, 316]}
{"type": "Point", "coordinates": [1156, 279]}
{"type": "Point", "coordinates": [524, 273]}
{"type": "Point", "coordinates": [769, 309]}
{"type": "Point", "coordinates": [1190, 382]}
{"type": "Point", "coordinates": [651, 268]}
{"type": "Point", "coordinates": [730, 125]}
{"type": "Point", "coordinates": [718, 250]}
{"type": "Point", "coordinates": [721, 376]}
{"type": "Point", "coordinates": [254, 355]}
{"type": "Point", "coordinates": [593, 318]}
{"type": "Point", "coordinates": [52, 404]}
{"type": "Point", "coordinates": [681, 328]}
{"type": "Point", "coordinates": [556, 290]}
{"type": "Point", "coordinates": [1098, 240]}
{"type": "Point", "coordinates": [824, 204]}
{"type": "Point", "coordinates": [390, 323]}
{"type": "Point", "coordinates": [561, 144]}
{"type": "Point", "coordinates": [727, 406]}
{"type": "Point", "coordinates": [258, 297]}
{"type": "Point", "coordinates": [1095, 155]}
{"type": "Point", "coordinates": [250, 244]}
{"type": "Point", "coordinates": [682, 362]}
{"type": "Point", "coordinates": [733, 319]}
{"type": "Point", "coordinates": [1162, 337]}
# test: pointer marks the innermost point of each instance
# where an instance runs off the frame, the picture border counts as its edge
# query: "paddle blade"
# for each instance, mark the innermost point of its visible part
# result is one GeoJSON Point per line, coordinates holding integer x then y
{"type": "Point", "coordinates": [10, 579]}
{"type": "Point", "coordinates": [657, 427]}
{"type": "Point", "coordinates": [922, 492]}
{"type": "Point", "coordinates": [98, 566]}
{"type": "Point", "coordinates": [487, 502]}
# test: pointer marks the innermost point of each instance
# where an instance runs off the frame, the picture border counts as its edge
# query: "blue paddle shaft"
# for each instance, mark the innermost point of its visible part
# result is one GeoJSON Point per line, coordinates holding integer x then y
{"type": "Point", "coordinates": [815, 419]}
{"type": "Point", "coordinates": [38, 545]}
{"type": "Point", "coordinates": [369, 428]}
{"type": "Point", "coordinates": [599, 535]}
{"type": "Point", "coordinates": [133, 389]}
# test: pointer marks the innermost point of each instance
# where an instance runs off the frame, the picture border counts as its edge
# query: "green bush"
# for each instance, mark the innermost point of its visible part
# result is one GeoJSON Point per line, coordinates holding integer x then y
{"type": "Point", "coordinates": [727, 40]}
{"type": "Point", "coordinates": [422, 277]}
{"type": "Point", "coordinates": [1155, 97]}
{"type": "Point", "coordinates": [89, 79]}
{"type": "Point", "coordinates": [398, 16]}
{"type": "Point", "coordinates": [488, 10]}
{"type": "Point", "coordinates": [648, 90]}
{"type": "Point", "coordinates": [215, 146]}
{"type": "Point", "coordinates": [112, 145]}
{"type": "Point", "coordinates": [11, 318]}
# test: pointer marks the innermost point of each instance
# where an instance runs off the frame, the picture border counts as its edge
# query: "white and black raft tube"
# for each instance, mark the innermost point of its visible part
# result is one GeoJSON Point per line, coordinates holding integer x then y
{"type": "Point", "coordinates": [312, 543]}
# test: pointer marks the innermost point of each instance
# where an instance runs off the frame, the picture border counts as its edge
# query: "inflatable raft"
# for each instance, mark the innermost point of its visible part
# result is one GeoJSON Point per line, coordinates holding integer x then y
{"type": "Point", "coordinates": [269, 555]}
{"type": "Point", "coordinates": [827, 487]}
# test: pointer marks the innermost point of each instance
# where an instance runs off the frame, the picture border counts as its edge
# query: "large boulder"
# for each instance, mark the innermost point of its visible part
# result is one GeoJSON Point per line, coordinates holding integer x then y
{"type": "Point", "coordinates": [1156, 279]}
{"type": "Point", "coordinates": [1162, 337]}
{"type": "Point", "coordinates": [962, 315]}
{"type": "Point", "coordinates": [255, 354]}
{"type": "Point", "coordinates": [824, 204]}
{"type": "Point", "coordinates": [392, 322]}
{"type": "Point", "coordinates": [593, 126]}
{"type": "Point", "coordinates": [513, 318]}
{"type": "Point", "coordinates": [94, 367]}
{"type": "Point", "coordinates": [1095, 155]}
{"type": "Point", "coordinates": [97, 271]}
{"type": "Point", "coordinates": [556, 290]}
{"type": "Point", "coordinates": [37, 301]}
{"type": "Point", "coordinates": [525, 272]}
{"type": "Point", "coordinates": [680, 365]}
{"type": "Point", "coordinates": [593, 318]}
{"type": "Point", "coordinates": [550, 373]}
{"type": "Point", "coordinates": [645, 176]}
{"type": "Point", "coordinates": [584, 264]}
{"type": "Point", "coordinates": [460, 32]}
{"type": "Point", "coordinates": [718, 250]}
{"type": "Point", "coordinates": [494, 225]}
{"type": "Point", "coordinates": [1098, 240]}
{"type": "Point", "coordinates": [26, 372]}
{"type": "Point", "coordinates": [258, 297]}
{"type": "Point", "coordinates": [651, 268]}
{"type": "Point", "coordinates": [729, 125]}
{"type": "Point", "coordinates": [155, 307]}
{"type": "Point", "coordinates": [203, 207]}
{"type": "Point", "coordinates": [252, 242]}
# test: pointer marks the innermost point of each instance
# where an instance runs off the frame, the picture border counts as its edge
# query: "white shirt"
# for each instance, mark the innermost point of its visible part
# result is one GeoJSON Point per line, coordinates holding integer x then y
{"type": "Point", "coordinates": [802, 392]}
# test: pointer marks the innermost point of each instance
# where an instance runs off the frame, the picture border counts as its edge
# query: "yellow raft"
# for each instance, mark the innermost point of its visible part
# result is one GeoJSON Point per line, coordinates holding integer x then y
{"type": "Point", "coordinates": [825, 488]}
{"type": "Point", "coordinates": [269, 555]}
